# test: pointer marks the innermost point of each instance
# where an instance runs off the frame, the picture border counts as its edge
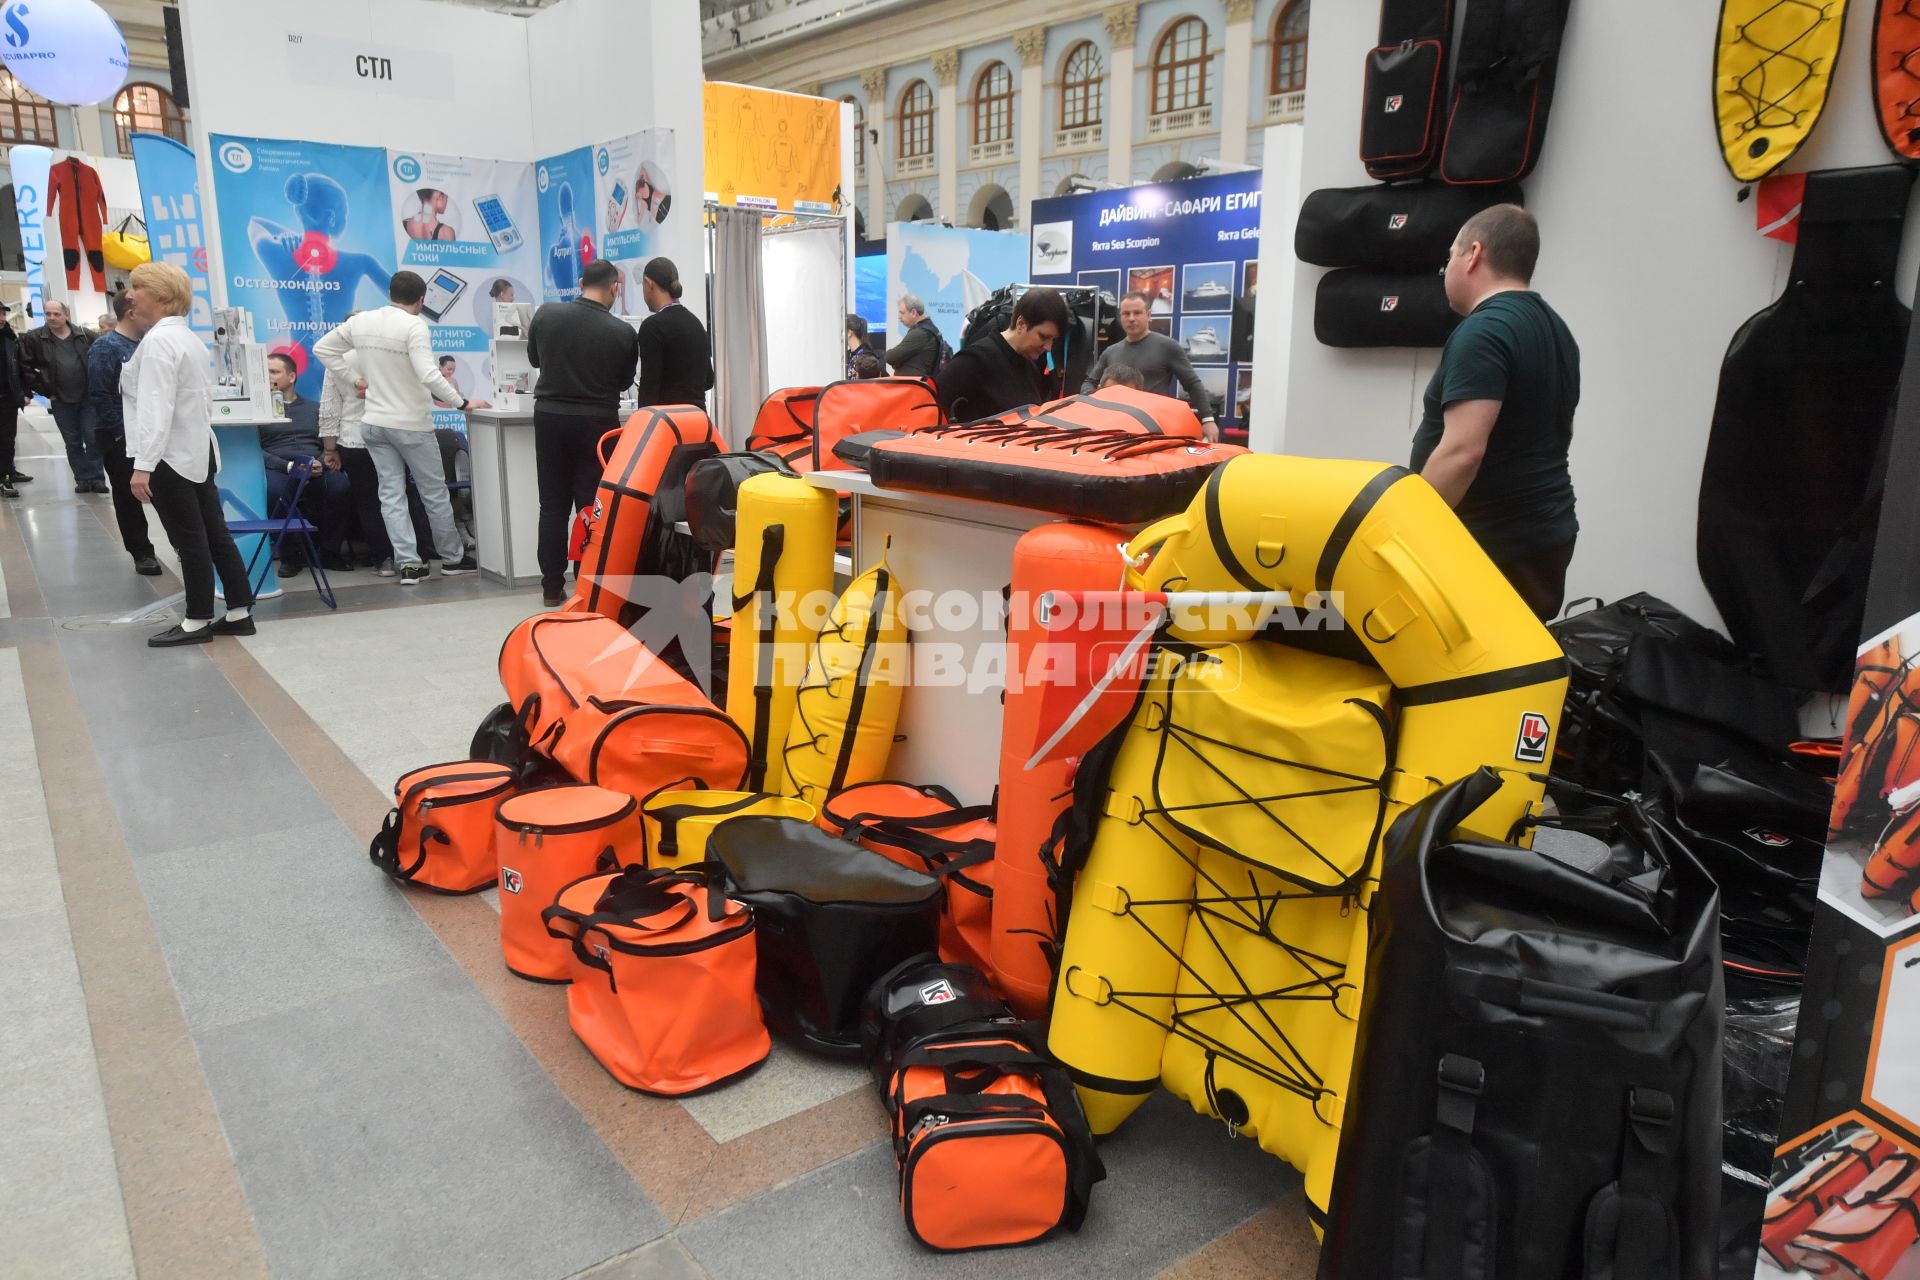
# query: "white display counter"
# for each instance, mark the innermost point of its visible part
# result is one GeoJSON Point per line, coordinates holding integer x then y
{"type": "Point", "coordinates": [950, 730]}
{"type": "Point", "coordinates": [506, 494]}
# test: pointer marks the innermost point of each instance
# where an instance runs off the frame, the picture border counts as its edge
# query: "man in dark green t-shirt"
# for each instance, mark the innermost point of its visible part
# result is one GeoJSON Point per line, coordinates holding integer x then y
{"type": "Point", "coordinates": [1499, 411]}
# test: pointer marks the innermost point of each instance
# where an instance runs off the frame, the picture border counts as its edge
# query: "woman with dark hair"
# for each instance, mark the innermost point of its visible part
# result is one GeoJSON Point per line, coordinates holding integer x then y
{"type": "Point", "coordinates": [861, 362]}
{"type": "Point", "coordinates": [676, 356]}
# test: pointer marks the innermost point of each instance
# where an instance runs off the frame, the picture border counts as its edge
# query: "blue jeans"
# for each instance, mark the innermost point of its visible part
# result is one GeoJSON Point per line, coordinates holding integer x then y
{"type": "Point", "coordinates": [395, 453]}
{"type": "Point", "coordinates": [76, 432]}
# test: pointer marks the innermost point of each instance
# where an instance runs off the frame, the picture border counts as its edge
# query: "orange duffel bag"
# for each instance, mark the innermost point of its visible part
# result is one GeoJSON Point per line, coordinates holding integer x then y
{"type": "Point", "coordinates": [992, 1146]}
{"type": "Point", "coordinates": [545, 840]}
{"type": "Point", "coordinates": [663, 974]}
{"type": "Point", "coordinates": [924, 828]}
{"type": "Point", "coordinates": [652, 455]}
{"type": "Point", "coordinates": [439, 833]}
{"type": "Point", "coordinates": [847, 408]}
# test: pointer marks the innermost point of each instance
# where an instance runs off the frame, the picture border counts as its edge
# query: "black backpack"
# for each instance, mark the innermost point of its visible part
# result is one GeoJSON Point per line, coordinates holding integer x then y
{"type": "Point", "coordinates": [712, 494]}
{"type": "Point", "coordinates": [1536, 1090]}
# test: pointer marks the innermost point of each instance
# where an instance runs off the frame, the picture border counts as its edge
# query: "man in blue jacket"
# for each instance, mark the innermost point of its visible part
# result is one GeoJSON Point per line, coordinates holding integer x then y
{"type": "Point", "coordinates": [109, 353]}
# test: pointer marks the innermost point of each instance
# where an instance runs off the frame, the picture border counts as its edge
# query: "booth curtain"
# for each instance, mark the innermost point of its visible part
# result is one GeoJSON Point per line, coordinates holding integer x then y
{"type": "Point", "coordinates": [806, 295]}
{"type": "Point", "coordinates": [739, 323]}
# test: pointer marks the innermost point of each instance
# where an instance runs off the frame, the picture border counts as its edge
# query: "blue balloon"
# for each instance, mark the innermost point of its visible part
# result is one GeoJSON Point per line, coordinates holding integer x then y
{"type": "Point", "coordinates": [67, 51]}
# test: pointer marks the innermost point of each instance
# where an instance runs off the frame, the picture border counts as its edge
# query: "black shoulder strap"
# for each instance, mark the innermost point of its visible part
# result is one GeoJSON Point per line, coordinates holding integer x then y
{"type": "Point", "coordinates": [1641, 1234]}
{"type": "Point", "coordinates": [772, 542]}
{"type": "Point", "coordinates": [1449, 1165]}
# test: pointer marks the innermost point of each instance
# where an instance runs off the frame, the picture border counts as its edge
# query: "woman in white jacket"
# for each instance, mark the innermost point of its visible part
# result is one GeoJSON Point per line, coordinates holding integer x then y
{"type": "Point", "coordinates": [169, 416]}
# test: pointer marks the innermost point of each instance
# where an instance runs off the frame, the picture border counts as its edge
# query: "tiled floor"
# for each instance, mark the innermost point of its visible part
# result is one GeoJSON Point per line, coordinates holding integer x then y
{"type": "Point", "coordinates": [229, 1047]}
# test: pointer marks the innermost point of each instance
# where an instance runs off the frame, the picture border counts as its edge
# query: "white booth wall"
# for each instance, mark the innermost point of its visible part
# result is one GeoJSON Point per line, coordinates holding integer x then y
{"type": "Point", "coordinates": [464, 82]}
{"type": "Point", "coordinates": [1647, 253]}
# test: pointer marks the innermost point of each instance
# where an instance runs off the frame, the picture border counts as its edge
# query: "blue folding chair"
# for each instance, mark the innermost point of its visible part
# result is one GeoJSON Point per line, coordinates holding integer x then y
{"type": "Point", "coordinates": [286, 520]}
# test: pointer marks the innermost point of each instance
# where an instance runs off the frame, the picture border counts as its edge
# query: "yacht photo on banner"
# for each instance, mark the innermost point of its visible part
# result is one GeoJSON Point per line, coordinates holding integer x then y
{"type": "Point", "coordinates": [306, 237]}
{"type": "Point", "coordinates": [1191, 247]}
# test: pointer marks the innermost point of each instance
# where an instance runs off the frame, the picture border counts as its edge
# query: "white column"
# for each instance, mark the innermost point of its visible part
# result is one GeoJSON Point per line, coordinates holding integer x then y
{"type": "Point", "coordinates": [92, 132]}
{"type": "Point", "coordinates": [1033, 114]}
{"type": "Point", "coordinates": [1236, 75]}
{"type": "Point", "coordinates": [1121, 20]}
{"type": "Point", "coordinates": [878, 214]}
{"type": "Point", "coordinates": [1275, 306]}
{"type": "Point", "coordinates": [946, 129]}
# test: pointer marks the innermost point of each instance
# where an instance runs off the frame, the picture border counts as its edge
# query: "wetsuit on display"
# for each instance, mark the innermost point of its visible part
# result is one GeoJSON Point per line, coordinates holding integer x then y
{"type": "Point", "coordinates": [73, 189]}
{"type": "Point", "coordinates": [317, 283]}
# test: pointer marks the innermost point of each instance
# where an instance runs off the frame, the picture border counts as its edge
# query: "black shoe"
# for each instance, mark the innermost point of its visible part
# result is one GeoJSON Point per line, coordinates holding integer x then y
{"type": "Point", "coordinates": [454, 568]}
{"type": "Point", "coordinates": [146, 566]}
{"type": "Point", "coordinates": [20, 477]}
{"type": "Point", "coordinates": [234, 627]}
{"type": "Point", "coordinates": [173, 635]}
{"type": "Point", "coordinates": [290, 569]}
{"type": "Point", "coordinates": [7, 490]}
{"type": "Point", "coordinates": [101, 486]}
{"type": "Point", "coordinates": [83, 487]}
{"type": "Point", "coordinates": [552, 597]}
{"type": "Point", "coordinates": [412, 575]}
{"type": "Point", "coordinates": [334, 562]}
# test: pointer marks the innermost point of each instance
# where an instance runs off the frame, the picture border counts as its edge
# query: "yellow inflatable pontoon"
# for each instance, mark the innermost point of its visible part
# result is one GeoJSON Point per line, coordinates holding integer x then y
{"type": "Point", "coordinates": [1217, 936]}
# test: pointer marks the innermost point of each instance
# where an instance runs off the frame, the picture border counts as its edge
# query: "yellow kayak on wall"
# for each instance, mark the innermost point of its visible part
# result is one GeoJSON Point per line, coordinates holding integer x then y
{"type": "Point", "coordinates": [1772, 71]}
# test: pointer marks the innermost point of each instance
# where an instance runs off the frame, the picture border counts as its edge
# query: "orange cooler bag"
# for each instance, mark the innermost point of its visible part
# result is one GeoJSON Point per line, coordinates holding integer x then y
{"type": "Point", "coordinates": [677, 823]}
{"type": "Point", "coordinates": [847, 408]}
{"type": "Point", "coordinates": [439, 833]}
{"type": "Point", "coordinates": [784, 426]}
{"type": "Point", "coordinates": [545, 840]}
{"type": "Point", "coordinates": [663, 976]}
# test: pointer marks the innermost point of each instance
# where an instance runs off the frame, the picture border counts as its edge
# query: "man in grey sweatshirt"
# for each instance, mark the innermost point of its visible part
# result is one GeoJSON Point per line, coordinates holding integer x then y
{"type": "Point", "coordinates": [1159, 360]}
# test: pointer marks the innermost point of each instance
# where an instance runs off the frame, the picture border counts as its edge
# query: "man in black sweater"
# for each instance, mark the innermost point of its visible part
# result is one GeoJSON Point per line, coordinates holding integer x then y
{"type": "Point", "coordinates": [676, 359]}
{"type": "Point", "coordinates": [1002, 371]}
{"type": "Point", "coordinates": [586, 356]}
{"type": "Point", "coordinates": [286, 448]}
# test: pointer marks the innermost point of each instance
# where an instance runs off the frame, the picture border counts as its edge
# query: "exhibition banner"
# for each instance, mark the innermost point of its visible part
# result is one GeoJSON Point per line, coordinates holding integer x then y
{"type": "Point", "coordinates": [564, 194]}
{"type": "Point", "coordinates": [870, 292]}
{"type": "Point", "coordinates": [1192, 247]}
{"type": "Point", "coordinates": [470, 227]}
{"type": "Point", "coordinates": [950, 269]}
{"type": "Point", "coordinates": [771, 150]}
{"type": "Point", "coordinates": [30, 168]}
{"type": "Point", "coordinates": [170, 201]}
{"type": "Point", "coordinates": [306, 238]}
{"type": "Point", "coordinates": [633, 193]}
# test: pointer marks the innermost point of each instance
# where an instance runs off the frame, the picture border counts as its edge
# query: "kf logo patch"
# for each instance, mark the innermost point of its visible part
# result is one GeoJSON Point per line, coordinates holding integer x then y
{"type": "Point", "coordinates": [1396, 222]}
{"type": "Point", "coordinates": [600, 950]}
{"type": "Point", "coordinates": [1531, 745]}
{"type": "Point", "coordinates": [940, 992]}
{"type": "Point", "coordinates": [1390, 303]}
{"type": "Point", "coordinates": [510, 880]}
{"type": "Point", "coordinates": [1771, 839]}
{"type": "Point", "coordinates": [1395, 102]}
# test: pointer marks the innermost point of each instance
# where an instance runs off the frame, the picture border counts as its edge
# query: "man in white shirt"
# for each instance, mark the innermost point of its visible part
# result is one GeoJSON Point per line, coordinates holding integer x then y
{"type": "Point", "coordinates": [393, 351]}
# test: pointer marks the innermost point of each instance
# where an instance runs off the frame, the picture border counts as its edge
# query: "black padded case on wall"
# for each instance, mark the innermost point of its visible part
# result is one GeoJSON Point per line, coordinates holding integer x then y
{"type": "Point", "coordinates": [1402, 116]}
{"type": "Point", "coordinates": [1536, 1091]}
{"type": "Point", "coordinates": [1502, 90]}
{"type": "Point", "coordinates": [1356, 307]}
{"type": "Point", "coordinates": [1402, 226]}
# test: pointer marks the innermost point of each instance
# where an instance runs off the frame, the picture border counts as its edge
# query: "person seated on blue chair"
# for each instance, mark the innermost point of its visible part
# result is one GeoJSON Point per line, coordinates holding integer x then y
{"type": "Point", "coordinates": [284, 448]}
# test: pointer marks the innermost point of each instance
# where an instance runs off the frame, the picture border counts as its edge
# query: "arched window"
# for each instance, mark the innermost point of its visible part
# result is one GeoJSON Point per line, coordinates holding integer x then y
{"type": "Point", "coordinates": [1180, 67]}
{"type": "Point", "coordinates": [147, 108]}
{"type": "Point", "coordinates": [993, 104]}
{"type": "Point", "coordinates": [916, 120]}
{"type": "Point", "coordinates": [859, 130]}
{"type": "Point", "coordinates": [1081, 85]}
{"type": "Point", "coordinates": [25, 116]}
{"type": "Point", "coordinates": [1290, 48]}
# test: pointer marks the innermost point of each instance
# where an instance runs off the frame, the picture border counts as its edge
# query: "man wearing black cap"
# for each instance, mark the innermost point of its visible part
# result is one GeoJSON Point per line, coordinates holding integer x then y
{"type": "Point", "coordinates": [13, 396]}
{"type": "Point", "coordinates": [676, 358]}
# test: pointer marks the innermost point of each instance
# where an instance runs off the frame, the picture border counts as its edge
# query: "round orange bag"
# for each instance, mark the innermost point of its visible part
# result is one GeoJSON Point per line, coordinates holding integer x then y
{"type": "Point", "coordinates": [545, 840]}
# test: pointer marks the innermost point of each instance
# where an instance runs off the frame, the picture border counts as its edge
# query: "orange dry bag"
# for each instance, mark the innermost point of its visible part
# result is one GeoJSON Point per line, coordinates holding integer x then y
{"type": "Point", "coordinates": [663, 973]}
{"type": "Point", "coordinates": [784, 427]}
{"type": "Point", "coordinates": [847, 408]}
{"type": "Point", "coordinates": [545, 840]}
{"type": "Point", "coordinates": [655, 450]}
{"type": "Point", "coordinates": [439, 833]}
